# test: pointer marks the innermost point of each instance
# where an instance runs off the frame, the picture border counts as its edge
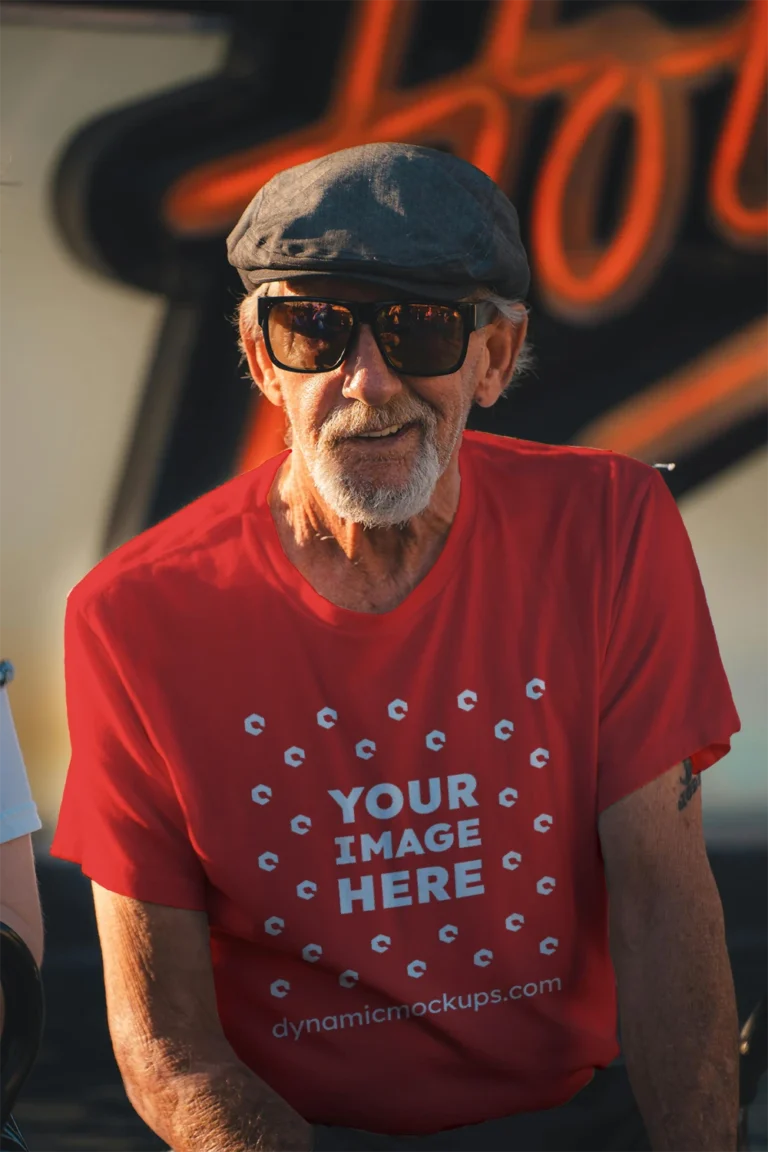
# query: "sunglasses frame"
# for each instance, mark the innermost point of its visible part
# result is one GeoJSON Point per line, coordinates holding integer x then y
{"type": "Point", "coordinates": [473, 316]}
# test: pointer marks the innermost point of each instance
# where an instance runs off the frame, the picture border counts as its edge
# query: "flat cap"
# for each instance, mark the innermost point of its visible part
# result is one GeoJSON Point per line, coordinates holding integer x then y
{"type": "Point", "coordinates": [412, 218]}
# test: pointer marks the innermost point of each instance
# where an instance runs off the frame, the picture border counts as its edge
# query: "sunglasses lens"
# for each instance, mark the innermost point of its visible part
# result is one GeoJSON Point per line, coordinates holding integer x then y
{"type": "Point", "coordinates": [421, 339]}
{"type": "Point", "coordinates": [309, 335]}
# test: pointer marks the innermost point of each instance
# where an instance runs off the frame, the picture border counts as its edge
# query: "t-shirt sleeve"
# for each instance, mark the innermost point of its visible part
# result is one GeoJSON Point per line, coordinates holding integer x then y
{"type": "Point", "coordinates": [121, 819]}
{"type": "Point", "coordinates": [18, 812]}
{"type": "Point", "coordinates": [664, 695]}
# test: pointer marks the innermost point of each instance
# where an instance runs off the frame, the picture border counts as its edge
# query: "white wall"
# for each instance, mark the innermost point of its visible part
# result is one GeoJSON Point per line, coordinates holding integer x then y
{"type": "Point", "coordinates": [727, 520]}
{"type": "Point", "coordinates": [73, 354]}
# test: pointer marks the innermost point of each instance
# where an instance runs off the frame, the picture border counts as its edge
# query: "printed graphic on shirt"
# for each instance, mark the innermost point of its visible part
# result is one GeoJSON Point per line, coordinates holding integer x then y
{"type": "Point", "coordinates": [394, 1013]}
{"type": "Point", "coordinates": [414, 843]}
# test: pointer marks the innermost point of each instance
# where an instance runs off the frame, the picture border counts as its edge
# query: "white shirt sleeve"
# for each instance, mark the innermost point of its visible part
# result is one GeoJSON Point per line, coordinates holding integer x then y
{"type": "Point", "coordinates": [18, 812]}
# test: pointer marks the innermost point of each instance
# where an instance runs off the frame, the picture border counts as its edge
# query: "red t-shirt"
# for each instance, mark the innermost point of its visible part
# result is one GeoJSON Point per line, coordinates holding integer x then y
{"type": "Point", "coordinates": [391, 820]}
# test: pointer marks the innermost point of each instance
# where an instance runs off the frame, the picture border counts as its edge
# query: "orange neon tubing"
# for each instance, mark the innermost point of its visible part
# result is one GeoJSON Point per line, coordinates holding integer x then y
{"type": "Point", "coordinates": [660, 410]}
{"type": "Point", "coordinates": [214, 194]}
{"type": "Point", "coordinates": [723, 46]}
{"type": "Point", "coordinates": [704, 392]}
{"type": "Point", "coordinates": [490, 149]}
{"type": "Point", "coordinates": [366, 58]}
{"type": "Point", "coordinates": [210, 190]}
{"type": "Point", "coordinates": [623, 254]}
{"type": "Point", "coordinates": [539, 84]}
{"type": "Point", "coordinates": [506, 34]}
{"type": "Point", "coordinates": [734, 139]}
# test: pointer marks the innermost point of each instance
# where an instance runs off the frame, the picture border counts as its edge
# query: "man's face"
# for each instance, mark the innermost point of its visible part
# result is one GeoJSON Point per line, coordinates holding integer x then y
{"type": "Point", "coordinates": [374, 480]}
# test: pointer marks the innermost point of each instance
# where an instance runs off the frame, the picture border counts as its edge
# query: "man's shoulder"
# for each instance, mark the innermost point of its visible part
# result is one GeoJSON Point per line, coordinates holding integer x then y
{"type": "Point", "coordinates": [555, 463]}
{"type": "Point", "coordinates": [205, 535]}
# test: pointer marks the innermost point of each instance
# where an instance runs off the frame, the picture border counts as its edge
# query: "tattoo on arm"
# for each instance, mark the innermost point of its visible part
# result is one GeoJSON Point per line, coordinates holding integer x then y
{"type": "Point", "coordinates": [690, 783]}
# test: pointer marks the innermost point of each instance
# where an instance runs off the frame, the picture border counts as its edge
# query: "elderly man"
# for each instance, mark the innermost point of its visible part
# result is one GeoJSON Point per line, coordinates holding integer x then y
{"type": "Point", "coordinates": [374, 747]}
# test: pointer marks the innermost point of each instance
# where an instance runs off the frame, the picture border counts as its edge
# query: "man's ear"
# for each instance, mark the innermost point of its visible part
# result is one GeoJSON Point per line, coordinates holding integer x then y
{"type": "Point", "coordinates": [502, 348]}
{"type": "Point", "coordinates": [260, 366]}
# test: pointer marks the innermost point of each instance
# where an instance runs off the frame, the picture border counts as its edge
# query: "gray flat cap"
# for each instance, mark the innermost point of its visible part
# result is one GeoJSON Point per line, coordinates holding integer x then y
{"type": "Point", "coordinates": [412, 218]}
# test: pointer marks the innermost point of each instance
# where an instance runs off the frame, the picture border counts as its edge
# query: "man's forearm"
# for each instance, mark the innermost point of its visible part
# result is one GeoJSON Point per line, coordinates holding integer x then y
{"type": "Point", "coordinates": [680, 1029]}
{"type": "Point", "coordinates": [217, 1107]}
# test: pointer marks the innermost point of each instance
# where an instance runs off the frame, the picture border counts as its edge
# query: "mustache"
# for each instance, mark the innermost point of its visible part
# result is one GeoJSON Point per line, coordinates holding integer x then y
{"type": "Point", "coordinates": [355, 421]}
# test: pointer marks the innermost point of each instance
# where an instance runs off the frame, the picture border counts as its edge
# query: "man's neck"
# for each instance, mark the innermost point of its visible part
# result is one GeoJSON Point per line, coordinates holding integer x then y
{"type": "Point", "coordinates": [363, 569]}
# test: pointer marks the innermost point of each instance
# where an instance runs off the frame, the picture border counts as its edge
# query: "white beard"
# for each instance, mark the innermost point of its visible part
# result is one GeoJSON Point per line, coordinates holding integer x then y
{"type": "Point", "coordinates": [362, 502]}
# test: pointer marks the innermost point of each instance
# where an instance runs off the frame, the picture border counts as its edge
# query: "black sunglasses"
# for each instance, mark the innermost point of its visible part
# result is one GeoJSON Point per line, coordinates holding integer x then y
{"type": "Point", "coordinates": [311, 334]}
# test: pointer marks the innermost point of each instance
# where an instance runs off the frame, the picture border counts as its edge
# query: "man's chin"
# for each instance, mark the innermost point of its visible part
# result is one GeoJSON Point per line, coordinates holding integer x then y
{"type": "Point", "coordinates": [378, 497]}
{"type": "Point", "coordinates": [375, 506]}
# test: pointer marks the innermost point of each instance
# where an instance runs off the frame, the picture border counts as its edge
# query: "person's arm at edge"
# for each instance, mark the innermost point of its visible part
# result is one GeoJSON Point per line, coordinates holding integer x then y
{"type": "Point", "coordinates": [676, 998]}
{"type": "Point", "coordinates": [180, 1073]}
{"type": "Point", "coordinates": [19, 898]}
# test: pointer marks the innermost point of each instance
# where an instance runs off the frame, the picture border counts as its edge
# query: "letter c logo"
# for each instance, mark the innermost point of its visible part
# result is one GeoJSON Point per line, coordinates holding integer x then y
{"type": "Point", "coordinates": [397, 709]}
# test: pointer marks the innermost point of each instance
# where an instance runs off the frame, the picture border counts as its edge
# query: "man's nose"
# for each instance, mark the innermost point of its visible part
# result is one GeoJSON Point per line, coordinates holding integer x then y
{"type": "Point", "coordinates": [369, 379]}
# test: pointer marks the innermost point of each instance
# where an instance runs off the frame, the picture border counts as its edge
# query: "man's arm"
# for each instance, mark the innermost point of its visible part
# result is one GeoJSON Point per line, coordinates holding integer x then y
{"type": "Point", "coordinates": [676, 1000]}
{"type": "Point", "coordinates": [179, 1071]}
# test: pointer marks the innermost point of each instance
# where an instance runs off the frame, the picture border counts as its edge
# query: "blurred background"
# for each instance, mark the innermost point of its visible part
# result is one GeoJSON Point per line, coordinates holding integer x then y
{"type": "Point", "coordinates": [632, 138]}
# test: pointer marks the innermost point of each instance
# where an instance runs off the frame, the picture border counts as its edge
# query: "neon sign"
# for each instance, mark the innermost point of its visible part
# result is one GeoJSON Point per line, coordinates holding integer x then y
{"type": "Point", "coordinates": [620, 59]}
{"type": "Point", "coordinates": [687, 409]}
{"type": "Point", "coordinates": [621, 64]}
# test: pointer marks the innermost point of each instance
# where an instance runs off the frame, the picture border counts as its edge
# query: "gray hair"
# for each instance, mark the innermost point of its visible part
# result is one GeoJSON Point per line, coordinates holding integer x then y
{"type": "Point", "coordinates": [248, 314]}
{"type": "Point", "coordinates": [514, 311]}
